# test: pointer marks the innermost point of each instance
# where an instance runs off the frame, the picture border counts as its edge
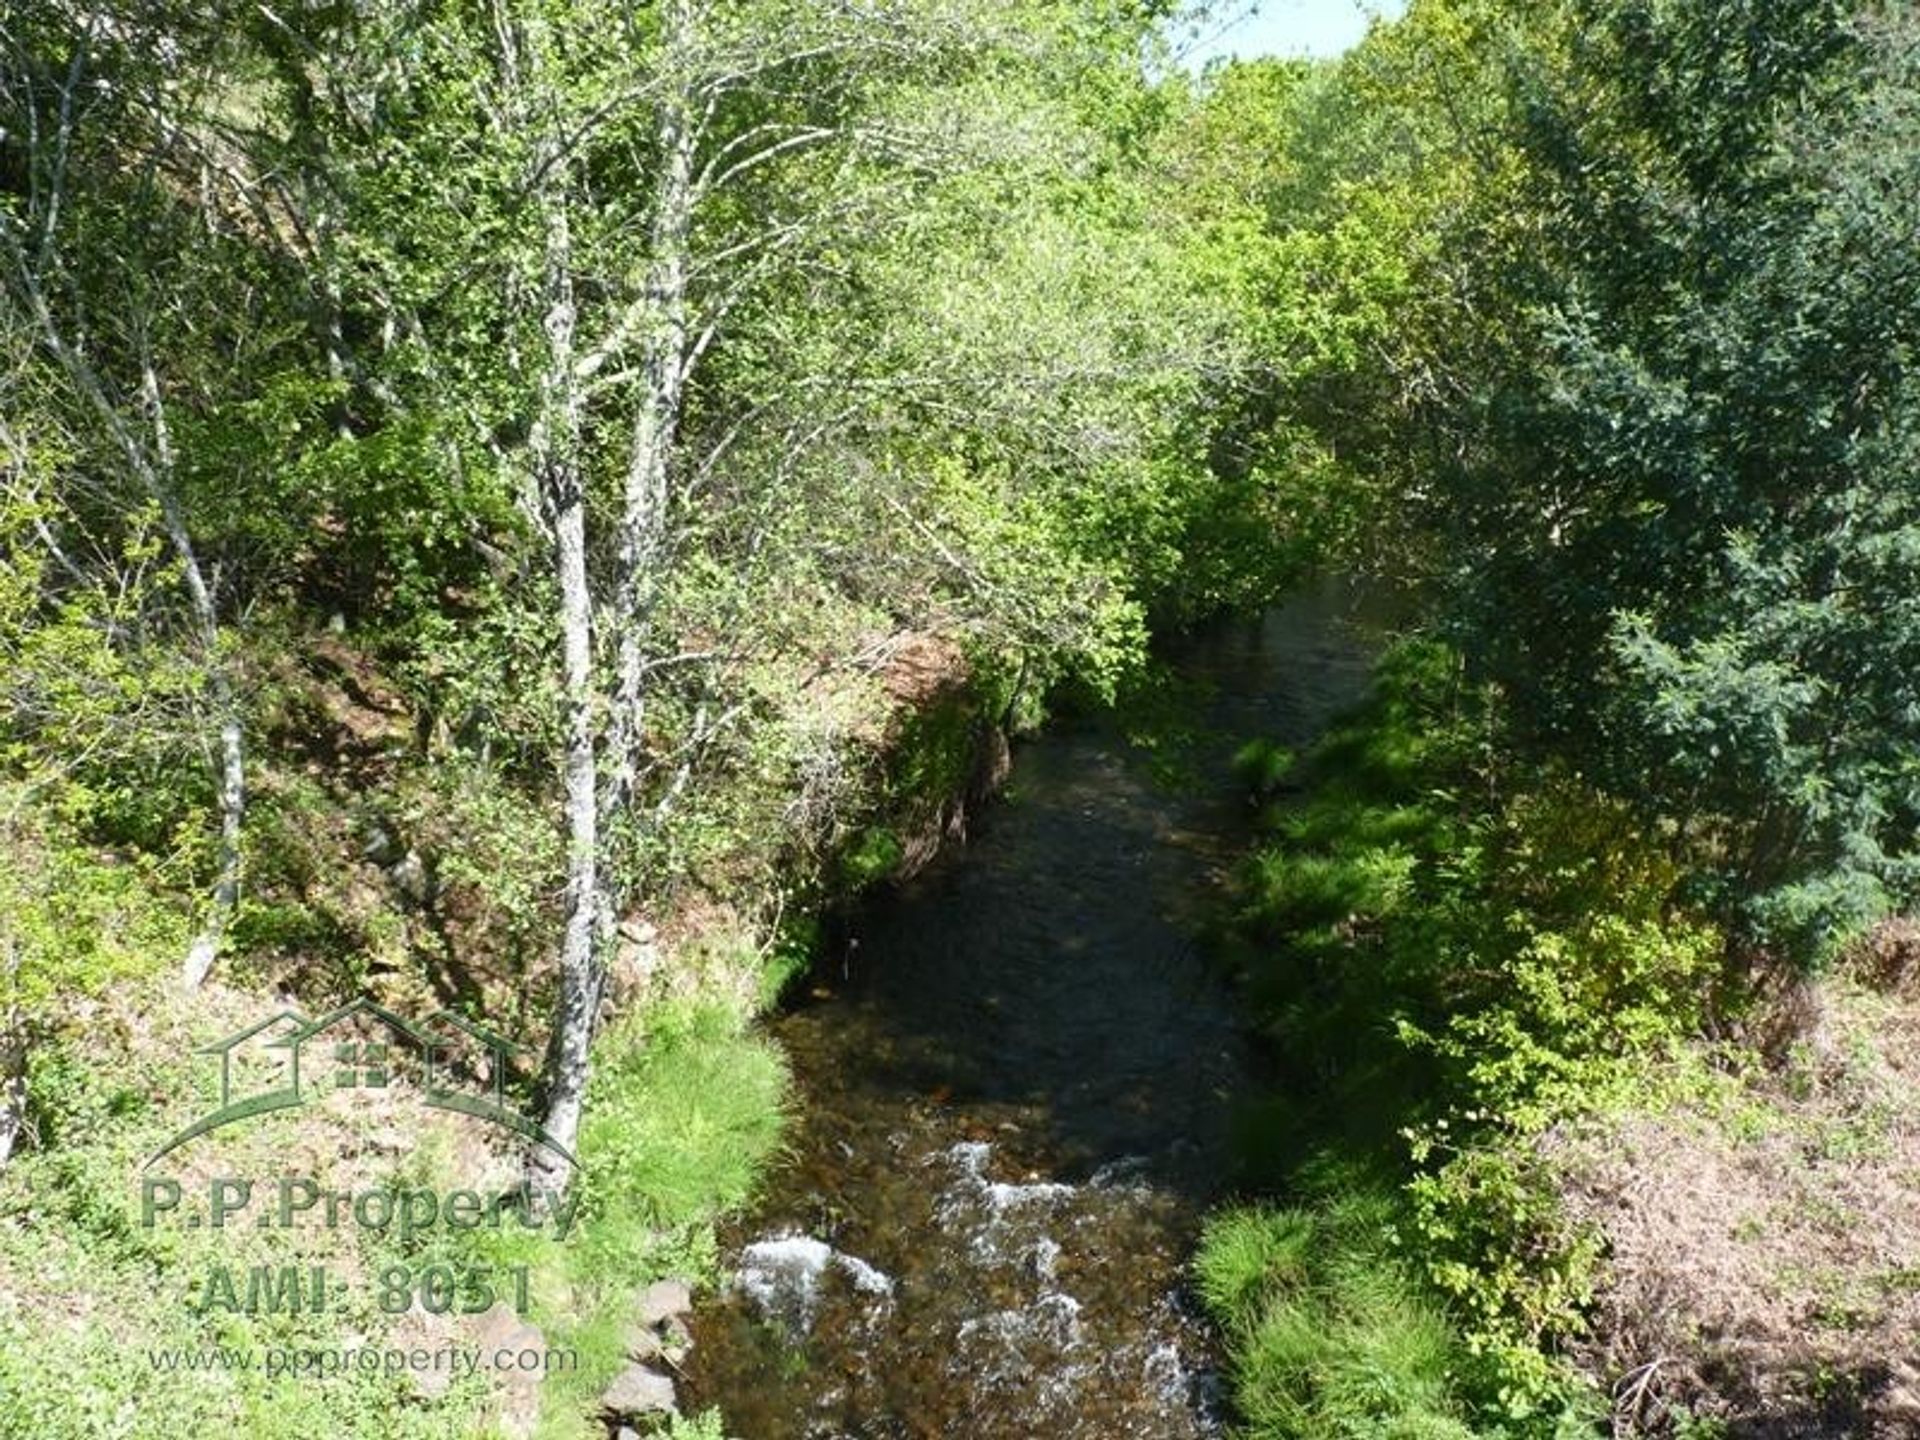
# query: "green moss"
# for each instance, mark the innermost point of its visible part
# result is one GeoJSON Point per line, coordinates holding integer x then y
{"type": "Point", "coordinates": [788, 958]}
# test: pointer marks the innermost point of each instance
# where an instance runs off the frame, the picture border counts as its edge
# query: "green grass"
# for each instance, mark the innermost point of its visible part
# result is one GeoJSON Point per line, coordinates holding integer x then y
{"type": "Point", "coordinates": [1332, 1338]}
{"type": "Point", "coordinates": [1262, 766]}
{"type": "Point", "coordinates": [686, 1108]}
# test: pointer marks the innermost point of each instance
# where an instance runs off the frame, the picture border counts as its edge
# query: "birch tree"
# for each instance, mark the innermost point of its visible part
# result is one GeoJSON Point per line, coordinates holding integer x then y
{"type": "Point", "coordinates": [746, 155]}
{"type": "Point", "coordinates": [709, 108]}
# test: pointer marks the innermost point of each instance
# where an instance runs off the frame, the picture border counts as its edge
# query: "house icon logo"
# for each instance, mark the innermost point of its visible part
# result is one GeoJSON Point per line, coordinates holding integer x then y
{"type": "Point", "coordinates": [288, 1060]}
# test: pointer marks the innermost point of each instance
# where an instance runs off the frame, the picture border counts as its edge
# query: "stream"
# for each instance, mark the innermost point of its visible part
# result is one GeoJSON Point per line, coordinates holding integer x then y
{"type": "Point", "coordinates": [1016, 1076]}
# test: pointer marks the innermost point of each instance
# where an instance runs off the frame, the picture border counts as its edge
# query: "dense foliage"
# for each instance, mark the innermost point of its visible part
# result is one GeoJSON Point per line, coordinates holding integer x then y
{"type": "Point", "coordinates": [424, 419]}
{"type": "Point", "coordinates": [1642, 436]}
{"type": "Point", "coordinates": [511, 504]}
{"type": "Point", "coordinates": [507, 506]}
{"type": "Point", "coordinates": [1453, 954]}
{"type": "Point", "coordinates": [1673, 503]}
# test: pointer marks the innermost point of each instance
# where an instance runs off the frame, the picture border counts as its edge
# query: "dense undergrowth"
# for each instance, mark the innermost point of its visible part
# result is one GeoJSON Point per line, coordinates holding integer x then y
{"type": "Point", "coordinates": [1452, 955]}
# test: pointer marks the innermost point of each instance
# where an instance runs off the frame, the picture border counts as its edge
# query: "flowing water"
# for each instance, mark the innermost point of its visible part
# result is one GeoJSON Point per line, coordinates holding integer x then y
{"type": "Point", "coordinates": [1016, 1076]}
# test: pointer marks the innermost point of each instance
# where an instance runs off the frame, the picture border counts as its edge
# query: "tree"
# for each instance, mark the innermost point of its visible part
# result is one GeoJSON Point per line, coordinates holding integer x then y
{"type": "Point", "coordinates": [727, 303]}
{"type": "Point", "coordinates": [1682, 522]}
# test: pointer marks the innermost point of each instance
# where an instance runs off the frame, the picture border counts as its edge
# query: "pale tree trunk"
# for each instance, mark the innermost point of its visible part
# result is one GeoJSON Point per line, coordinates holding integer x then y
{"type": "Point", "coordinates": [656, 425]}
{"type": "Point", "coordinates": [596, 813]}
{"type": "Point", "coordinates": [13, 1094]}
{"type": "Point", "coordinates": [556, 446]}
{"type": "Point", "coordinates": [13, 1068]}
{"type": "Point", "coordinates": [605, 814]}
{"type": "Point", "coordinates": [230, 768]}
{"type": "Point", "coordinates": [599, 813]}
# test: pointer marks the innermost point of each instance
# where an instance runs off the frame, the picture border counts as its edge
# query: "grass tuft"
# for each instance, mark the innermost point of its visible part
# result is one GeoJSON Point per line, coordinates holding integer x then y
{"type": "Point", "coordinates": [1332, 1338]}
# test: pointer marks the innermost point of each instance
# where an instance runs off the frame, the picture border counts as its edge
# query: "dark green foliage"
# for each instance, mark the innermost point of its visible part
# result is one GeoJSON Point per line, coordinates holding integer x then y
{"type": "Point", "coordinates": [1644, 422]}
{"type": "Point", "coordinates": [1685, 539]}
{"type": "Point", "coordinates": [1262, 766]}
{"type": "Point", "coordinates": [1341, 864]}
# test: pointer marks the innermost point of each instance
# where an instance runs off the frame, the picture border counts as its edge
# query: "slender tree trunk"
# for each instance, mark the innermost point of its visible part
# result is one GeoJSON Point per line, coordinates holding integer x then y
{"type": "Point", "coordinates": [232, 772]}
{"type": "Point", "coordinates": [656, 425]}
{"type": "Point", "coordinates": [13, 1095]}
{"type": "Point", "coordinates": [13, 1069]}
{"type": "Point", "coordinates": [556, 445]}
{"type": "Point", "coordinates": [230, 762]}
{"type": "Point", "coordinates": [598, 885]}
